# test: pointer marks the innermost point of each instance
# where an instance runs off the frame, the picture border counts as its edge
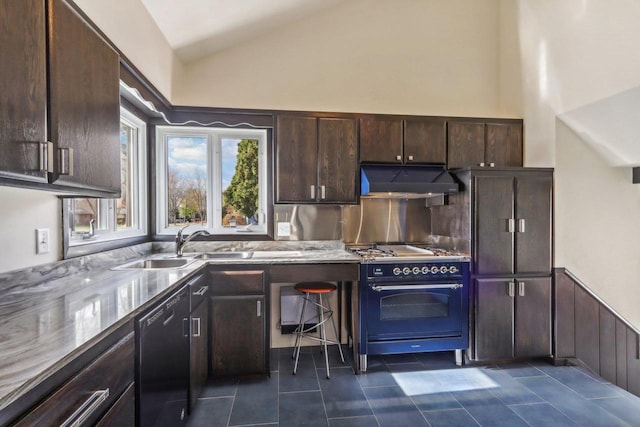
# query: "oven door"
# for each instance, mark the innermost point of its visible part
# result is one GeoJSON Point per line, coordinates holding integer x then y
{"type": "Point", "coordinates": [429, 309]}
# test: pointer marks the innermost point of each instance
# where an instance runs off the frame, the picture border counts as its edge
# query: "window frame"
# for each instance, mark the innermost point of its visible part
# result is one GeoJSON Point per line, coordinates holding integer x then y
{"type": "Point", "coordinates": [114, 238]}
{"type": "Point", "coordinates": [214, 137]}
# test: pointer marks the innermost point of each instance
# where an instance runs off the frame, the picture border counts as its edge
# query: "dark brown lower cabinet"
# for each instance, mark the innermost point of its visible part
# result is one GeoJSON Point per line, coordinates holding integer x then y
{"type": "Point", "coordinates": [199, 352]}
{"type": "Point", "coordinates": [238, 323]}
{"type": "Point", "coordinates": [93, 393]}
{"type": "Point", "coordinates": [512, 318]}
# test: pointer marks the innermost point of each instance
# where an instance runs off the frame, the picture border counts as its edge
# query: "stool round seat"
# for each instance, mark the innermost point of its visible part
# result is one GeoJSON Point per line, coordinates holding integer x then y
{"type": "Point", "coordinates": [315, 287]}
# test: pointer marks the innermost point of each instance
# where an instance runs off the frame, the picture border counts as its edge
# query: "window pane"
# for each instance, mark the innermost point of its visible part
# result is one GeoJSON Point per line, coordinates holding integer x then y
{"type": "Point", "coordinates": [88, 214]}
{"type": "Point", "coordinates": [124, 217]}
{"type": "Point", "coordinates": [240, 190]}
{"type": "Point", "coordinates": [186, 180]}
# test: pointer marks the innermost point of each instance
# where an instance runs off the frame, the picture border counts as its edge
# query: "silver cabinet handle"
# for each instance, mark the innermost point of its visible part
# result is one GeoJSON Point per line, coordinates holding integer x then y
{"type": "Point", "coordinates": [512, 289]}
{"type": "Point", "coordinates": [492, 165]}
{"type": "Point", "coordinates": [313, 192]}
{"type": "Point", "coordinates": [196, 326]}
{"type": "Point", "coordinates": [398, 157]}
{"type": "Point", "coordinates": [521, 225]}
{"type": "Point", "coordinates": [258, 308]}
{"type": "Point", "coordinates": [200, 292]}
{"type": "Point", "coordinates": [84, 412]}
{"type": "Point", "coordinates": [521, 289]}
{"type": "Point", "coordinates": [46, 153]}
{"type": "Point", "coordinates": [323, 192]}
{"type": "Point", "coordinates": [481, 164]}
{"type": "Point", "coordinates": [511, 225]}
{"type": "Point", "coordinates": [410, 158]}
{"type": "Point", "coordinates": [66, 161]}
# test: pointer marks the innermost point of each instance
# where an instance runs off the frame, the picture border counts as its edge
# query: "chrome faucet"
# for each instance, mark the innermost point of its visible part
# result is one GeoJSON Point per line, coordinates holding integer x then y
{"type": "Point", "coordinates": [181, 241]}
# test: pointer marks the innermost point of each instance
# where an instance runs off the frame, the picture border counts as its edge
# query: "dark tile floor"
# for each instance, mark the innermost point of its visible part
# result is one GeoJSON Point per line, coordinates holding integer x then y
{"type": "Point", "coordinates": [415, 390]}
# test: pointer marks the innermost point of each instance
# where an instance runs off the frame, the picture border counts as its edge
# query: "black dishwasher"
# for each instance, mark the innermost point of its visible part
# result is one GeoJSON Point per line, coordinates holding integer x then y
{"type": "Point", "coordinates": [163, 362]}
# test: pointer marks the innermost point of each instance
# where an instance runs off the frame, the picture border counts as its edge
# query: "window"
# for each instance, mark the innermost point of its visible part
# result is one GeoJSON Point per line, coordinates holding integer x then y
{"type": "Point", "coordinates": [212, 178]}
{"type": "Point", "coordinates": [98, 220]}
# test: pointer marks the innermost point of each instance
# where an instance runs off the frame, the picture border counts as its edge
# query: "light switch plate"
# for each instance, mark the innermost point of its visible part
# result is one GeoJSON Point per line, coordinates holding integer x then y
{"type": "Point", "coordinates": [284, 229]}
{"type": "Point", "coordinates": [42, 240]}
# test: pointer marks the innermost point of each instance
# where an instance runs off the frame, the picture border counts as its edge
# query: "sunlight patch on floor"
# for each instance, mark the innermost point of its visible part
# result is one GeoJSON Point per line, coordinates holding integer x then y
{"type": "Point", "coordinates": [442, 381]}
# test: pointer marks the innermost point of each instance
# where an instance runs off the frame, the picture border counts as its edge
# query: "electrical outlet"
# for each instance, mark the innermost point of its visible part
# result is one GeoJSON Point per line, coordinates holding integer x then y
{"type": "Point", "coordinates": [284, 229]}
{"type": "Point", "coordinates": [42, 240]}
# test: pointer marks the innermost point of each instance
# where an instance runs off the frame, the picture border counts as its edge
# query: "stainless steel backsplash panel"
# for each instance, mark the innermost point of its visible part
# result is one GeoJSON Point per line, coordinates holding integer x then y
{"type": "Point", "coordinates": [308, 222]}
{"type": "Point", "coordinates": [386, 220]}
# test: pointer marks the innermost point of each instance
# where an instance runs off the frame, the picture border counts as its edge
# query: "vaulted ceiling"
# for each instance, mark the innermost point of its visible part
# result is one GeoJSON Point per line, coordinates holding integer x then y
{"type": "Point", "coordinates": [197, 28]}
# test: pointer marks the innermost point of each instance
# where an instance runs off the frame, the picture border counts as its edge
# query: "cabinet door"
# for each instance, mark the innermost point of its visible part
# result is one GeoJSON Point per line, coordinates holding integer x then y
{"type": "Point", "coordinates": [84, 93]}
{"type": "Point", "coordinates": [380, 140]}
{"type": "Point", "coordinates": [533, 217]}
{"type": "Point", "coordinates": [23, 88]}
{"type": "Point", "coordinates": [503, 145]}
{"type": "Point", "coordinates": [425, 141]}
{"type": "Point", "coordinates": [465, 144]}
{"type": "Point", "coordinates": [296, 159]}
{"type": "Point", "coordinates": [494, 319]}
{"type": "Point", "coordinates": [238, 335]}
{"type": "Point", "coordinates": [493, 238]}
{"type": "Point", "coordinates": [199, 352]}
{"type": "Point", "coordinates": [533, 317]}
{"type": "Point", "coordinates": [337, 160]}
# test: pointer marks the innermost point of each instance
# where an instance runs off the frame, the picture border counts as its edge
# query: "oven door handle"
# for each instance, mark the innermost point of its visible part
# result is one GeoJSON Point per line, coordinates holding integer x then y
{"type": "Point", "coordinates": [380, 288]}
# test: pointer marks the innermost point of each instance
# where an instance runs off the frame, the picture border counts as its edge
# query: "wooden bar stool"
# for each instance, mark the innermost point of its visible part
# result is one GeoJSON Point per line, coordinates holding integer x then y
{"type": "Point", "coordinates": [324, 314]}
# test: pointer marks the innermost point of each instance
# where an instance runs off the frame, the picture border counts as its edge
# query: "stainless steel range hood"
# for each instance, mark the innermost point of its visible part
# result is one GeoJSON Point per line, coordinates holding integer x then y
{"type": "Point", "coordinates": [405, 182]}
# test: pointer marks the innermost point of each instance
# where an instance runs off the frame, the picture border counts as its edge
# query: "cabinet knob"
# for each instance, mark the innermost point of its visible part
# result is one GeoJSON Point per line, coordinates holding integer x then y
{"type": "Point", "coordinates": [511, 225]}
{"type": "Point", "coordinates": [521, 289]}
{"type": "Point", "coordinates": [410, 158]}
{"type": "Point", "coordinates": [398, 157]}
{"type": "Point", "coordinates": [481, 164]}
{"type": "Point", "coordinates": [521, 225]}
{"type": "Point", "coordinates": [492, 165]}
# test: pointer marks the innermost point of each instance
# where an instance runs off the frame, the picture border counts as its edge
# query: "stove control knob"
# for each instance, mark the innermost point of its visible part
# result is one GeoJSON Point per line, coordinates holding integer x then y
{"type": "Point", "coordinates": [434, 269]}
{"type": "Point", "coordinates": [443, 269]}
{"type": "Point", "coordinates": [396, 271]}
{"type": "Point", "coordinates": [425, 270]}
{"type": "Point", "coordinates": [453, 269]}
{"type": "Point", "coordinates": [406, 270]}
{"type": "Point", "coordinates": [416, 270]}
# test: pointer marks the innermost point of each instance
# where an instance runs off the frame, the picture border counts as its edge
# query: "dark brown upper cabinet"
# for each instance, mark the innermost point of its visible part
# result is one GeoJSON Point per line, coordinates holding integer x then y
{"type": "Point", "coordinates": [316, 159]}
{"type": "Point", "coordinates": [391, 140]}
{"type": "Point", "coordinates": [512, 228]}
{"type": "Point", "coordinates": [480, 142]}
{"type": "Point", "coordinates": [23, 84]}
{"type": "Point", "coordinates": [62, 80]}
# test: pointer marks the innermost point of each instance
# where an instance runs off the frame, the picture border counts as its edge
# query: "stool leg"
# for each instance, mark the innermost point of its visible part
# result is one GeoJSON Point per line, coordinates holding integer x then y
{"type": "Point", "coordinates": [335, 331]}
{"type": "Point", "coordinates": [323, 334]}
{"type": "Point", "coordinates": [300, 331]}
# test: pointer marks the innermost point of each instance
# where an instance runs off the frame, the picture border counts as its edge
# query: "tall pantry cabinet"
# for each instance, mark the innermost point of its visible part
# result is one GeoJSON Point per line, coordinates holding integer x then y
{"type": "Point", "coordinates": [507, 215]}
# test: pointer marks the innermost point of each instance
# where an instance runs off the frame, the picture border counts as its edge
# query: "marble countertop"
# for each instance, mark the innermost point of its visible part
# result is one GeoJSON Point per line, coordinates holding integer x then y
{"type": "Point", "coordinates": [44, 326]}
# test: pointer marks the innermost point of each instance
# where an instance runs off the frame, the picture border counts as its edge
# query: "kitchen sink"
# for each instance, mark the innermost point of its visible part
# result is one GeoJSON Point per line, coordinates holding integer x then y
{"type": "Point", "coordinates": [156, 263]}
{"type": "Point", "coordinates": [224, 255]}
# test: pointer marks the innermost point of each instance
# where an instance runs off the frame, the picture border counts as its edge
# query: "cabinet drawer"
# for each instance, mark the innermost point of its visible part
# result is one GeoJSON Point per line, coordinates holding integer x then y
{"type": "Point", "coordinates": [123, 412]}
{"type": "Point", "coordinates": [91, 392]}
{"type": "Point", "coordinates": [239, 282]}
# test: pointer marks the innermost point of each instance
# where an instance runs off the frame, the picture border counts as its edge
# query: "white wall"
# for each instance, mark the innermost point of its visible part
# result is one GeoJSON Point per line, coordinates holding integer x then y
{"type": "Point", "coordinates": [574, 53]}
{"type": "Point", "coordinates": [130, 27]}
{"type": "Point", "coordinates": [21, 212]}
{"type": "Point", "coordinates": [378, 56]}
